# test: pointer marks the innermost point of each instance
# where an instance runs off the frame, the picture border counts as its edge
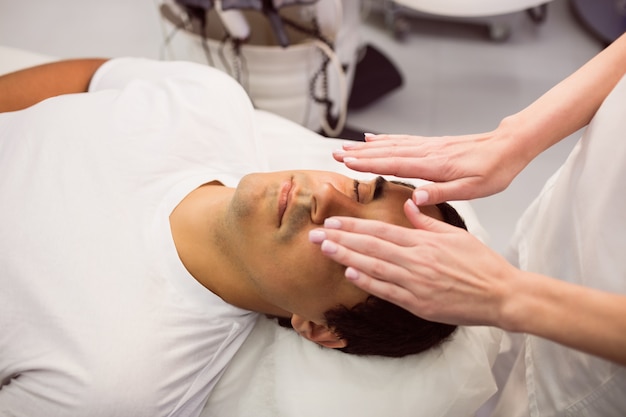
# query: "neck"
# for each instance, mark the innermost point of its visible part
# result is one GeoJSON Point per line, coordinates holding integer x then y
{"type": "Point", "coordinates": [194, 223]}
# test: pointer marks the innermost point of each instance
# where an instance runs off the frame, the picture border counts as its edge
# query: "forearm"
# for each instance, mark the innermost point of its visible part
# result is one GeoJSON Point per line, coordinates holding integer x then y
{"type": "Point", "coordinates": [26, 87]}
{"type": "Point", "coordinates": [582, 318]}
{"type": "Point", "coordinates": [568, 106]}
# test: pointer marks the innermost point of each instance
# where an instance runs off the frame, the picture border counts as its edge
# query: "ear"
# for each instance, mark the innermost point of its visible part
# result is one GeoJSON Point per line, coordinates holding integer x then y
{"type": "Point", "coordinates": [318, 333]}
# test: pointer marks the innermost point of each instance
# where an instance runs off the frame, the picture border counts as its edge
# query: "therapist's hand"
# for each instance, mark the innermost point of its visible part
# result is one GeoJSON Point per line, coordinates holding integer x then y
{"type": "Point", "coordinates": [436, 271]}
{"type": "Point", "coordinates": [461, 167]}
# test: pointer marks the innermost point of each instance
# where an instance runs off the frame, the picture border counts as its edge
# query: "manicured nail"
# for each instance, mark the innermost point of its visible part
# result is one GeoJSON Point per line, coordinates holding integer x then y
{"type": "Point", "coordinates": [412, 206]}
{"type": "Point", "coordinates": [420, 197]}
{"type": "Point", "coordinates": [348, 159]}
{"type": "Point", "coordinates": [352, 274]}
{"type": "Point", "coordinates": [331, 223]}
{"type": "Point", "coordinates": [368, 135]}
{"type": "Point", "coordinates": [329, 247]}
{"type": "Point", "coordinates": [317, 236]}
{"type": "Point", "coordinates": [339, 152]}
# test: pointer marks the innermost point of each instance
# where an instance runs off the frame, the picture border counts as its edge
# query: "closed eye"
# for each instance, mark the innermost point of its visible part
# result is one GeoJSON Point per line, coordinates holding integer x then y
{"type": "Point", "coordinates": [355, 185]}
{"type": "Point", "coordinates": [380, 184]}
{"type": "Point", "coordinates": [379, 187]}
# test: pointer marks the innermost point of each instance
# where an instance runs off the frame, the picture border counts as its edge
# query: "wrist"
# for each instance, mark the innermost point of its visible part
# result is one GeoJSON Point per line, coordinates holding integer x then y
{"type": "Point", "coordinates": [518, 302]}
{"type": "Point", "coordinates": [523, 144]}
{"type": "Point", "coordinates": [533, 304]}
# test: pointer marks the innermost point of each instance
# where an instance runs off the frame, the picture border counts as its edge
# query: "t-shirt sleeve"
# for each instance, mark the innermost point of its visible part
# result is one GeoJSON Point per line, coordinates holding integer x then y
{"type": "Point", "coordinates": [187, 111]}
{"type": "Point", "coordinates": [118, 72]}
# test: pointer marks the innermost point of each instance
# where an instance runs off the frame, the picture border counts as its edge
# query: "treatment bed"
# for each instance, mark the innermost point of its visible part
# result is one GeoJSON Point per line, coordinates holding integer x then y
{"type": "Point", "coordinates": [277, 373]}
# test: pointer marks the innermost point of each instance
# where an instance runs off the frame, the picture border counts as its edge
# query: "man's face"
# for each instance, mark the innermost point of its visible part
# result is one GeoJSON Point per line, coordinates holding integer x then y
{"type": "Point", "coordinates": [267, 226]}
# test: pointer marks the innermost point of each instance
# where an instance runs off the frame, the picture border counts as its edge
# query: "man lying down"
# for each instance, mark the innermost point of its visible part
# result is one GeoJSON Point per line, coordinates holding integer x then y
{"type": "Point", "coordinates": [141, 237]}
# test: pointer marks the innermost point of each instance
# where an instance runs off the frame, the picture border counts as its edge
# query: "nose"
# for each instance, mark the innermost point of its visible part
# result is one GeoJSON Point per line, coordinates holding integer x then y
{"type": "Point", "coordinates": [327, 201]}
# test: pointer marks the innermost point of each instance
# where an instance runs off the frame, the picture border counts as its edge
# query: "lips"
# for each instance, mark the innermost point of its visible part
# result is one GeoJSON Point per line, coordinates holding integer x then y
{"type": "Point", "coordinates": [283, 199]}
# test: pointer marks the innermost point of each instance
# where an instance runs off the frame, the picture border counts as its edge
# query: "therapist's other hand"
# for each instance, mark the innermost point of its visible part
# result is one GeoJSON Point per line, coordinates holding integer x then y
{"type": "Point", "coordinates": [461, 167]}
{"type": "Point", "coordinates": [436, 271]}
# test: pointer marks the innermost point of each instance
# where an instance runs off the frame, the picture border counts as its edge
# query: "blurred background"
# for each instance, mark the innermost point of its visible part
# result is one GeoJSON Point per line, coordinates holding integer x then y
{"type": "Point", "coordinates": [453, 75]}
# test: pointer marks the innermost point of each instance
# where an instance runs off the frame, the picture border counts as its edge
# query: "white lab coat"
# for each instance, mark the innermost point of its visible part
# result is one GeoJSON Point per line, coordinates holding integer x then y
{"type": "Point", "coordinates": [575, 231]}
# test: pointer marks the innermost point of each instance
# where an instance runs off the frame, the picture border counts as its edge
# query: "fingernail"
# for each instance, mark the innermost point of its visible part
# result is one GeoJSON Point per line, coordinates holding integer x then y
{"type": "Point", "coordinates": [352, 274]}
{"type": "Point", "coordinates": [317, 236]}
{"type": "Point", "coordinates": [368, 135]}
{"type": "Point", "coordinates": [420, 197]}
{"type": "Point", "coordinates": [348, 159]}
{"type": "Point", "coordinates": [412, 206]}
{"type": "Point", "coordinates": [332, 223]}
{"type": "Point", "coordinates": [329, 247]}
{"type": "Point", "coordinates": [339, 152]}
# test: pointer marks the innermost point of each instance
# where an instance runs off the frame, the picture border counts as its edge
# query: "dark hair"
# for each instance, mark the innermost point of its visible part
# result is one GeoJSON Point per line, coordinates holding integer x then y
{"type": "Point", "coordinates": [378, 327]}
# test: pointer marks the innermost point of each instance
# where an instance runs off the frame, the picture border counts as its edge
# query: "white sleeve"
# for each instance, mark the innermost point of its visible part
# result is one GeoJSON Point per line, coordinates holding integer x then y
{"type": "Point", "coordinates": [117, 72]}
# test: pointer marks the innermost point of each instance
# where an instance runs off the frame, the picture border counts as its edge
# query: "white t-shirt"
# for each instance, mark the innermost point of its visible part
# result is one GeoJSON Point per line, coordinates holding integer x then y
{"type": "Point", "coordinates": [576, 231]}
{"type": "Point", "coordinates": [98, 316]}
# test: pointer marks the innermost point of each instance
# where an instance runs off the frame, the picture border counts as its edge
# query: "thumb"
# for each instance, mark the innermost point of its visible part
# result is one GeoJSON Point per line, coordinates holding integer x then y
{"type": "Point", "coordinates": [421, 221]}
{"type": "Point", "coordinates": [441, 192]}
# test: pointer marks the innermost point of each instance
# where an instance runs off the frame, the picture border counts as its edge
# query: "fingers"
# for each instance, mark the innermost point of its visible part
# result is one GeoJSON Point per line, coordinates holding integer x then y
{"type": "Point", "coordinates": [363, 234]}
{"type": "Point", "coordinates": [440, 192]}
{"type": "Point", "coordinates": [424, 222]}
{"type": "Point", "coordinates": [376, 248]}
{"type": "Point", "coordinates": [372, 152]}
{"type": "Point", "coordinates": [394, 164]}
{"type": "Point", "coordinates": [383, 289]}
{"type": "Point", "coordinates": [385, 165]}
{"type": "Point", "coordinates": [376, 267]}
{"type": "Point", "coordinates": [389, 279]}
{"type": "Point", "coordinates": [383, 146]}
{"type": "Point", "coordinates": [371, 256]}
{"type": "Point", "coordinates": [460, 168]}
{"type": "Point", "coordinates": [386, 149]}
{"type": "Point", "coordinates": [398, 157]}
{"type": "Point", "coordinates": [371, 137]}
